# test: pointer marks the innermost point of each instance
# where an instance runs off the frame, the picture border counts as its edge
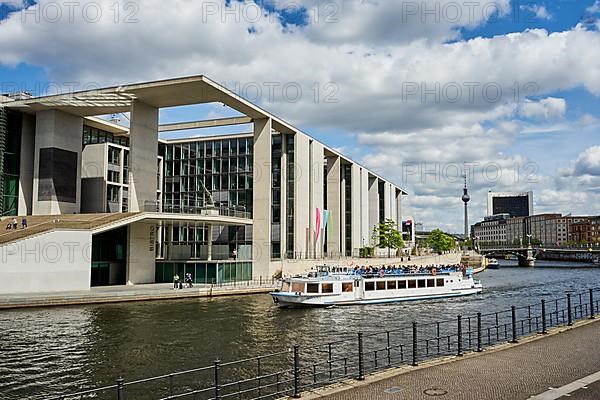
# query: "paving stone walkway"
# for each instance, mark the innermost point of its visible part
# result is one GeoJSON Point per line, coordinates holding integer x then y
{"type": "Point", "coordinates": [511, 373]}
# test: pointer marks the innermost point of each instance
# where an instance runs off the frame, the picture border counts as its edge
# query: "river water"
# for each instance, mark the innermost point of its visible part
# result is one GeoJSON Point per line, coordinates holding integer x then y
{"type": "Point", "coordinates": [52, 350]}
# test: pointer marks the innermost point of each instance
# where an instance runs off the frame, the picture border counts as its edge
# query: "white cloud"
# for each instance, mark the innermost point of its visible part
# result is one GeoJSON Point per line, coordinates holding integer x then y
{"type": "Point", "coordinates": [370, 55]}
{"type": "Point", "coordinates": [540, 12]}
{"type": "Point", "coordinates": [546, 109]}
{"type": "Point", "coordinates": [594, 8]}
{"type": "Point", "coordinates": [588, 162]}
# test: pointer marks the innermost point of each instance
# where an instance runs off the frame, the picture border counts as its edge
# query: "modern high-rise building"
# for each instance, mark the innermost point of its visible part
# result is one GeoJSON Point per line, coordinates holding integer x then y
{"type": "Point", "coordinates": [516, 204]}
{"type": "Point", "coordinates": [121, 205]}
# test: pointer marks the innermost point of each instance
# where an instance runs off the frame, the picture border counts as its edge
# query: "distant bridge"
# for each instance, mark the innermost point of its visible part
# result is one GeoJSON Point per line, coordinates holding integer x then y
{"type": "Point", "coordinates": [558, 253]}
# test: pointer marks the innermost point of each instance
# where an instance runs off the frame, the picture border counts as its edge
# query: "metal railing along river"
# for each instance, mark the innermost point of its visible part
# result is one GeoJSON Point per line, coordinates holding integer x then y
{"type": "Point", "coordinates": [297, 369]}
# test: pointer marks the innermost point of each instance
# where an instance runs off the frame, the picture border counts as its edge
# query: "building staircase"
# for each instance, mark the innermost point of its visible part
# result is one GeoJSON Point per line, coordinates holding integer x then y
{"type": "Point", "coordinates": [40, 224]}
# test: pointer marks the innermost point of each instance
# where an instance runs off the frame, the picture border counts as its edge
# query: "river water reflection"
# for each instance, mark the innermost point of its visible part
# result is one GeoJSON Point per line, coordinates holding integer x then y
{"type": "Point", "coordinates": [51, 350]}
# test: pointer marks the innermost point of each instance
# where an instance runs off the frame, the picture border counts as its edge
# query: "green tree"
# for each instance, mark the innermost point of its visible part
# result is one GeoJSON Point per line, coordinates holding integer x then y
{"type": "Point", "coordinates": [440, 241]}
{"type": "Point", "coordinates": [387, 236]}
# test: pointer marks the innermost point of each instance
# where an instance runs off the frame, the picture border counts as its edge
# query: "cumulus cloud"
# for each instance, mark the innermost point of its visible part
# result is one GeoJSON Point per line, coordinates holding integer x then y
{"type": "Point", "coordinates": [539, 11]}
{"type": "Point", "coordinates": [548, 108]}
{"type": "Point", "coordinates": [404, 83]}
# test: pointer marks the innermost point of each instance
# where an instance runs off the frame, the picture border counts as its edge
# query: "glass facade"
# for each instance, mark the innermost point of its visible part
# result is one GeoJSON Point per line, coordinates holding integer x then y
{"type": "Point", "coordinates": [223, 167]}
{"type": "Point", "coordinates": [10, 150]}
{"type": "Point", "coordinates": [347, 179]}
{"type": "Point", "coordinates": [195, 173]}
{"type": "Point", "coordinates": [381, 190]}
{"type": "Point", "coordinates": [204, 272]}
{"type": "Point", "coordinates": [276, 149]}
{"type": "Point", "coordinates": [289, 203]}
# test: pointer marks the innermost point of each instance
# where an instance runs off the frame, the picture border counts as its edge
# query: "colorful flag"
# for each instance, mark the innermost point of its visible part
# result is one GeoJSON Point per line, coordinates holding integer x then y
{"type": "Point", "coordinates": [318, 225]}
{"type": "Point", "coordinates": [326, 215]}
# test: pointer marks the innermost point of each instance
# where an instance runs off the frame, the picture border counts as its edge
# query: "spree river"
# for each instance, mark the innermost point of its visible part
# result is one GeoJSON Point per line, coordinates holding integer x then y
{"type": "Point", "coordinates": [54, 350]}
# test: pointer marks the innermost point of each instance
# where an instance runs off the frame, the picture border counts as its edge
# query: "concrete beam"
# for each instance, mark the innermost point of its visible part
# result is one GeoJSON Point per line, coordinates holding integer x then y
{"type": "Point", "coordinates": [211, 123]}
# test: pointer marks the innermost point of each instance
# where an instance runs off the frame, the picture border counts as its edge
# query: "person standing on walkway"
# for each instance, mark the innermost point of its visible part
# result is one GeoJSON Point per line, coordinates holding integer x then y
{"type": "Point", "coordinates": [175, 281]}
{"type": "Point", "coordinates": [15, 224]}
{"type": "Point", "coordinates": [24, 223]}
{"type": "Point", "coordinates": [234, 253]}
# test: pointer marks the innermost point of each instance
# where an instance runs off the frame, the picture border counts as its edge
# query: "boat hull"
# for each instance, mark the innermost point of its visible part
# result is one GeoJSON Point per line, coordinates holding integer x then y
{"type": "Point", "coordinates": [292, 301]}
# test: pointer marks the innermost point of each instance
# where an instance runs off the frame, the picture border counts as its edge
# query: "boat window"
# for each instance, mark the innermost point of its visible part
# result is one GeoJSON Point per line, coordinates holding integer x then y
{"type": "Point", "coordinates": [327, 288]}
{"type": "Point", "coordinates": [401, 284]}
{"type": "Point", "coordinates": [312, 288]}
{"type": "Point", "coordinates": [391, 285]}
{"type": "Point", "coordinates": [440, 282]}
{"type": "Point", "coordinates": [421, 283]}
{"type": "Point", "coordinates": [347, 287]}
{"type": "Point", "coordinates": [285, 287]}
{"type": "Point", "coordinates": [412, 284]}
{"type": "Point", "coordinates": [369, 285]}
{"type": "Point", "coordinates": [381, 285]}
{"type": "Point", "coordinates": [430, 282]}
{"type": "Point", "coordinates": [356, 283]}
{"type": "Point", "coordinates": [298, 287]}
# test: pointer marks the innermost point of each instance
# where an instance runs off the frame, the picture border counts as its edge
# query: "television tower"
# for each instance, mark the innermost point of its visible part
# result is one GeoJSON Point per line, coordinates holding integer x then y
{"type": "Point", "coordinates": [465, 199]}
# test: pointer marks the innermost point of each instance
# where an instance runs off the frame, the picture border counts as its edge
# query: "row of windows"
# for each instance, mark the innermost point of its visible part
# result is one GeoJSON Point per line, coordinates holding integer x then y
{"type": "Point", "coordinates": [210, 148]}
{"type": "Point", "coordinates": [404, 284]}
{"type": "Point", "coordinates": [302, 287]}
{"type": "Point", "coordinates": [207, 166]}
{"type": "Point", "coordinates": [93, 136]}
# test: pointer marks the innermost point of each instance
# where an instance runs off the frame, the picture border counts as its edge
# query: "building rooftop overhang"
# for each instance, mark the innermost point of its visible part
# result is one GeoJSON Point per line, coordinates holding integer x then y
{"type": "Point", "coordinates": [176, 92]}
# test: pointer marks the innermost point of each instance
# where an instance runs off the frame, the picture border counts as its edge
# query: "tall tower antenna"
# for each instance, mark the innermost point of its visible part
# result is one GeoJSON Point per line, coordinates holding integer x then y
{"type": "Point", "coordinates": [465, 199]}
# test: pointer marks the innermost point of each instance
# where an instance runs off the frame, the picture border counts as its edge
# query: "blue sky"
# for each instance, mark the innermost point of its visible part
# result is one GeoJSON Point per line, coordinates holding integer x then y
{"type": "Point", "coordinates": [363, 54]}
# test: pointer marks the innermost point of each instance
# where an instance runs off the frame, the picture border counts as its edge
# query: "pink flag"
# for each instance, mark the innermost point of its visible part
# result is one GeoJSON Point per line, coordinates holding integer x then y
{"type": "Point", "coordinates": [318, 225]}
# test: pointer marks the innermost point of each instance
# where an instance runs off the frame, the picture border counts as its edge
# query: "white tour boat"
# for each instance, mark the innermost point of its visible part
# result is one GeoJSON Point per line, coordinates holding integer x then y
{"type": "Point", "coordinates": [339, 286]}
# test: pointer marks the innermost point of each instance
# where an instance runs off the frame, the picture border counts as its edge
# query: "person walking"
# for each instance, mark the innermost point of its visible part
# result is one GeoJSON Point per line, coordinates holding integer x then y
{"type": "Point", "coordinates": [15, 224]}
{"type": "Point", "coordinates": [175, 281]}
{"type": "Point", "coordinates": [24, 223]}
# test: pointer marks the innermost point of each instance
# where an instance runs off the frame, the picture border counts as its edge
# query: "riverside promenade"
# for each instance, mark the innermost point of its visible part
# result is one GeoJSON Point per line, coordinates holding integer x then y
{"type": "Point", "coordinates": [117, 294]}
{"type": "Point", "coordinates": [563, 364]}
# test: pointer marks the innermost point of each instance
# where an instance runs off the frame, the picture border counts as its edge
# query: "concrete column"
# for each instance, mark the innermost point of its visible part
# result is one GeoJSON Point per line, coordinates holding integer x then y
{"type": "Point", "coordinates": [57, 163]}
{"type": "Point", "coordinates": [356, 209]}
{"type": "Point", "coordinates": [365, 232]}
{"type": "Point", "coordinates": [25, 206]}
{"type": "Point", "coordinates": [261, 195]}
{"type": "Point", "coordinates": [209, 243]}
{"type": "Point", "coordinates": [373, 206]}
{"type": "Point", "coordinates": [387, 193]}
{"type": "Point", "coordinates": [143, 141]}
{"type": "Point", "coordinates": [316, 196]}
{"type": "Point", "coordinates": [399, 209]}
{"type": "Point", "coordinates": [141, 261]}
{"type": "Point", "coordinates": [302, 194]}
{"type": "Point", "coordinates": [334, 204]}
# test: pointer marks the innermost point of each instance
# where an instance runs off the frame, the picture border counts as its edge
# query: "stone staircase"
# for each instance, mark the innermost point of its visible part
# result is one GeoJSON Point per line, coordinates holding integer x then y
{"type": "Point", "coordinates": [38, 224]}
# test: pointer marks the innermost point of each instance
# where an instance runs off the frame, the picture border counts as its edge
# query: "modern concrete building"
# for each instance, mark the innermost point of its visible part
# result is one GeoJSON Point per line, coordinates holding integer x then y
{"type": "Point", "coordinates": [224, 208]}
{"type": "Point", "coordinates": [516, 204]}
